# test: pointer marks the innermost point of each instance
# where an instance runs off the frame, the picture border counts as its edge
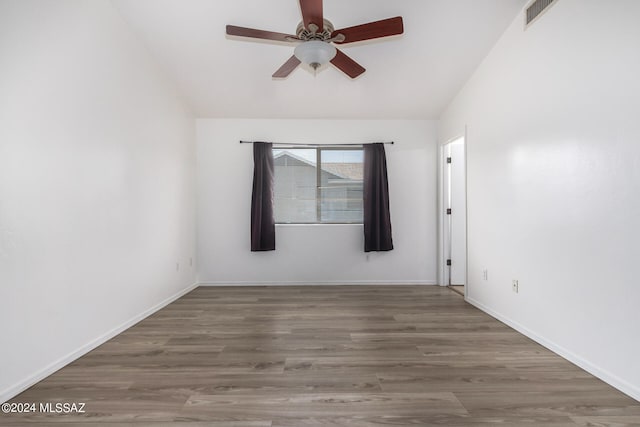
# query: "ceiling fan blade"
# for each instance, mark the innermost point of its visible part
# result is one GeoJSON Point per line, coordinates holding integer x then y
{"type": "Point", "coordinates": [347, 65]}
{"type": "Point", "coordinates": [286, 69]}
{"type": "Point", "coordinates": [372, 30]}
{"type": "Point", "coordinates": [232, 30]}
{"type": "Point", "coordinates": [312, 13]}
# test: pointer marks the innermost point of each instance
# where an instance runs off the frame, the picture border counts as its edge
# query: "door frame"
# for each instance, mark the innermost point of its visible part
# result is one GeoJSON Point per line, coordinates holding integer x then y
{"type": "Point", "coordinates": [443, 271]}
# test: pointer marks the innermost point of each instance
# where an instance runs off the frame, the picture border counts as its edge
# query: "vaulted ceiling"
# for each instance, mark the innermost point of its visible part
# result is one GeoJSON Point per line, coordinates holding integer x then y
{"type": "Point", "coordinates": [413, 76]}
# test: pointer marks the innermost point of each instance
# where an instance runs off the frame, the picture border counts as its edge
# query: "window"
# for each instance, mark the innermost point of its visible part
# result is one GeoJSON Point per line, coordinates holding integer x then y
{"type": "Point", "coordinates": [307, 194]}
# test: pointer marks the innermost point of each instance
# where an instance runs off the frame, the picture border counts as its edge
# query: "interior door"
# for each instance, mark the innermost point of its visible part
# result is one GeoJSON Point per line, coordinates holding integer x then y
{"type": "Point", "coordinates": [456, 211]}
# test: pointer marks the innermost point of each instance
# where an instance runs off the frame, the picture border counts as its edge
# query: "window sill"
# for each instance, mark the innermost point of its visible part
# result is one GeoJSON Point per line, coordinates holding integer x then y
{"type": "Point", "coordinates": [297, 224]}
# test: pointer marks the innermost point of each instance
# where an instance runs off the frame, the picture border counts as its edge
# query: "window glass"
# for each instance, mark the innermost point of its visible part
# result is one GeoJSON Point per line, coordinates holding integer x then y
{"type": "Point", "coordinates": [305, 194]}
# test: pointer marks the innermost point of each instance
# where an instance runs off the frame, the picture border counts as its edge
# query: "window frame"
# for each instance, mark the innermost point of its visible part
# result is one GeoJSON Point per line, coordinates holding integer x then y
{"type": "Point", "coordinates": [319, 150]}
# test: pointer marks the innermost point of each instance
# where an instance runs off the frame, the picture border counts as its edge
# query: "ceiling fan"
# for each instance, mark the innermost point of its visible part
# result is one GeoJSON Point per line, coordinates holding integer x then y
{"type": "Point", "coordinates": [316, 37]}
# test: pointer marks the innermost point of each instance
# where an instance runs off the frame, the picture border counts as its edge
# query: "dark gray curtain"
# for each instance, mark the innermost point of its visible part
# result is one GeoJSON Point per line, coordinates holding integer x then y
{"type": "Point", "coordinates": [263, 229]}
{"type": "Point", "coordinates": [377, 220]}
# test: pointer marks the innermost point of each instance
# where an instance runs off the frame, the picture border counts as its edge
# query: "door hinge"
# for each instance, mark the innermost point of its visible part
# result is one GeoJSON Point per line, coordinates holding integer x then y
{"type": "Point", "coordinates": [448, 262]}
{"type": "Point", "coordinates": [448, 159]}
{"type": "Point", "coordinates": [449, 211]}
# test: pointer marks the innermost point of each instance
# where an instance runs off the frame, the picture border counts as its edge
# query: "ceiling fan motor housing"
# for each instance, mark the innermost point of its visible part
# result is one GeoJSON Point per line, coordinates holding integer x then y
{"type": "Point", "coordinates": [313, 32]}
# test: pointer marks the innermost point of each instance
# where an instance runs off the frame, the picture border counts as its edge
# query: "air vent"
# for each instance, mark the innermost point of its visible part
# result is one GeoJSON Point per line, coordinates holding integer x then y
{"type": "Point", "coordinates": [535, 9]}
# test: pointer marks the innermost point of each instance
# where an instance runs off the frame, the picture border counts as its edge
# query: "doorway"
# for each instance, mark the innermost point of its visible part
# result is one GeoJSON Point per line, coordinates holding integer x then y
{"type": "Point", "coordinates": [454, 198]}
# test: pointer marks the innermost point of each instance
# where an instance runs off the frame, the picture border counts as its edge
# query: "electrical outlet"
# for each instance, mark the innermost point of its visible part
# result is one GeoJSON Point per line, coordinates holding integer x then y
{"type": "Point", "coordinates": [485, 274]}
{"type": "Point", "coordinates": [514, 286]}
{"type": "Point", "coordinates": [177, 266]}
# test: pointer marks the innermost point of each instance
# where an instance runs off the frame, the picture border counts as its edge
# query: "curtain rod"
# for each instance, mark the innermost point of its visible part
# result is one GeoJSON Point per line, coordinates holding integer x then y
{"type": "Point", "coordinates": [315, 145]}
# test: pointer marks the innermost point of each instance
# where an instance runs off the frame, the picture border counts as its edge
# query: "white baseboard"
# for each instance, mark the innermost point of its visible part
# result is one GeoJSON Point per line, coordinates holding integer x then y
{"type": "Point", "coordinates": [64, 361]}
{"type": "Point", "coordinates": [613, 380]}
{"type": "Point", "coordinates": [317, 283]}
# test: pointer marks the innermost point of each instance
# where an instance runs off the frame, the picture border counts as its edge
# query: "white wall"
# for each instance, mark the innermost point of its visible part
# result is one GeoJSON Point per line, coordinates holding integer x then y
{"type": "Point", "coordinates": [553, 182]}
{"type": "Point", "coordinates": [97, 188]}
{"type": "Point", "coordinates": [314, 253]}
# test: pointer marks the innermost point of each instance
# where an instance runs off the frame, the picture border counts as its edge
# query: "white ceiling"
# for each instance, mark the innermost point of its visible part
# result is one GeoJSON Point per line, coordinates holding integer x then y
{"type": "Point", "coordinates": [413, 76]}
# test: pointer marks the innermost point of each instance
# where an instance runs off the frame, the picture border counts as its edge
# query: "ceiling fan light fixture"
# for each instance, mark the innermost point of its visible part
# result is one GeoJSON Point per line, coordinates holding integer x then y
{"type": "Point", "coordinates": [315, 53]}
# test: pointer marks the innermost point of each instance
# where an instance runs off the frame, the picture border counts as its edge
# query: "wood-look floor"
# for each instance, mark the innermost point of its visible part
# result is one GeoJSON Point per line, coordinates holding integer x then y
{"type": "Point", "coordinates": [326, 356]}
{"type": "Point", "coordinates": [459, 289]}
